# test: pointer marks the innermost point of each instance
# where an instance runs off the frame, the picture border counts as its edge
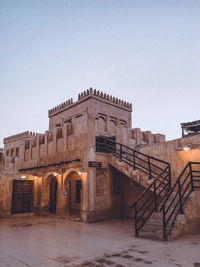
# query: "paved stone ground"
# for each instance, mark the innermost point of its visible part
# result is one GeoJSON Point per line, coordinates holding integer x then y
{"type": "Point", "coordinates": [50, 241]}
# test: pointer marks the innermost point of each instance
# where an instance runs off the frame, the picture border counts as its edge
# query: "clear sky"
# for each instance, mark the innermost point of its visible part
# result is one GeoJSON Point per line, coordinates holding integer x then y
{"type": "Point", "coordinates": [145, 52]}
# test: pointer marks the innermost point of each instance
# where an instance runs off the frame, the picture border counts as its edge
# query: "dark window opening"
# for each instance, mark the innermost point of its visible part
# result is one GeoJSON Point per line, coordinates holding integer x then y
{"type": "Point", "coordinates": [68, 121]}
{"type": "Point", "coordinates": [122, 122]}
{"type": "Point", "coordinates": [59, 132]}
{"type": "Point", "coordinates": [41, 139]}
{"type": "Point", "coordinates": [78, 191]}
{"type": "Point", "coordinates": [78, 116]}
{"type": "Point", "coordinates": [33, 142]}
{"type": "Point", "coordinates": [12, 152]}
{"type": "Point", "coordinates": [17, 151]}
{"type": "Point", "coordinates": [104, 145]}
{"type": "Point", "coordinates": [27, 144]}
{"type": "Point", "coordinates": [53, 195]}
{"type": "Point", "coordinates": [69, 127]}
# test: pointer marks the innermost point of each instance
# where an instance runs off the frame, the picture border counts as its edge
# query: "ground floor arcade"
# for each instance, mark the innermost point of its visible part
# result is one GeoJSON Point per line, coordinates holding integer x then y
{"type": "Point", "coordinates": [93, 194]}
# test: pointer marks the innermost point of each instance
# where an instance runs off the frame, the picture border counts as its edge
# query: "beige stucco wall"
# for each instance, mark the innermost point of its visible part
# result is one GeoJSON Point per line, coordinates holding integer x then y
{"type": "Point", "coordinates": [169, 151]}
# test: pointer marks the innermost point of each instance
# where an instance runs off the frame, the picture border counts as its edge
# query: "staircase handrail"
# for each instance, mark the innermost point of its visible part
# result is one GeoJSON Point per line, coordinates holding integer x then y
{"type": "Point", "coordinates": [149, 169]}
{"type": "Point", "coordinates": [174, 186]}
{"type": "Point", "coordinates": [181, 195]}
{"type": "Point", "coordinates": [147, 189]}
{"type": "Point", "coordinates": [134, 150]}
{"type": "Point", "coordinates": [135, 163]}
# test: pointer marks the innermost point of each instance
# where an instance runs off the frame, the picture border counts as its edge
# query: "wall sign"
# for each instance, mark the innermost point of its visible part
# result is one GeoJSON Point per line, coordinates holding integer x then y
{"type": "Point", "coordinates": [95, 164]}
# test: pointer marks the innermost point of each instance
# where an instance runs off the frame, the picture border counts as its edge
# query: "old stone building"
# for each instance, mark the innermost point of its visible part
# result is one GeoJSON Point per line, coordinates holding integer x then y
{"type": "Point", "coordinates": [91, 163]}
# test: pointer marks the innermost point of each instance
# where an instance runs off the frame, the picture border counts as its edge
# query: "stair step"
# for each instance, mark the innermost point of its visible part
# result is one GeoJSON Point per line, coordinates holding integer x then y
{"type": "Point", "coordinates": [156, 236]}
{"type": "Point", "coordinates": [153, 223]}
{"type": "Point", "coordinates": [151, 230]}
{"type": "Point", "coordinates": [152, 226]}
{"type": "Point", "coordinates": [157, 215]}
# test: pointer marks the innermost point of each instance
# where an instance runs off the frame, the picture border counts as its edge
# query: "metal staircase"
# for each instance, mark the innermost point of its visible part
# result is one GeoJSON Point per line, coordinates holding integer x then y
{"type": "Point", "coordinates": [157, 170]}
{"type": "Point", "coordinates": [186, 183]}
{"type": "Point", "coordinates": [159, 197]}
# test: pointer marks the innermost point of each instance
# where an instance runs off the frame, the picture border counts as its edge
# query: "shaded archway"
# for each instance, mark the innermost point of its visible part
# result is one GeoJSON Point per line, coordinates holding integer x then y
{"type": "Point", "coordinates": [53, 185]}
{"type": "Point", "coordinates": [73, 189]}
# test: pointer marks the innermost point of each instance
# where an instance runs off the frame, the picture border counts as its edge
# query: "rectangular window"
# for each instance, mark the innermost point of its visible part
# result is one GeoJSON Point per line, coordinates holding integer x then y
{"type": "Point", "coordinates": [17, 151]}
{"type": "Point", "coordinates": [59, 132]}
{"type": "Point", "coordinates": [69, 127]}
{"type": "Point", "coordinates": [104, 145]}
{"type": "Point", "coordinates": [27, 144]}
{"type": "Point", "coordinates": [12, 152]}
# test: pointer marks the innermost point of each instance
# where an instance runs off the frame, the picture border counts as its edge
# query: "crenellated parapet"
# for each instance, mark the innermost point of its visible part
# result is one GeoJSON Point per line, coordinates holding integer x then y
{"type": "Point", "coordinates": [60, 107]}
{"type": "Point", "coordinates": [104, 96]}
{"type": "Point", "coordinates": [91, 93]}
{"type": "Point", "coordinates": [18, 136]}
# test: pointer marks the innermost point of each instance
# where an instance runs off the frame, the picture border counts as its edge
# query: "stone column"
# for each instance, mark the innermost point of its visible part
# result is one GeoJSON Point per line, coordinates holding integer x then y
{"type": "Point", "coordinates": [85, 214]}
{"type": "Point", "coordinates": [91, 182]}
{"type": "Point", "coordinates": [59, 195]}
{"type": "Point", "coordinates": [44, 206]}
{"type": "Point", "coordinates": [39, 194]}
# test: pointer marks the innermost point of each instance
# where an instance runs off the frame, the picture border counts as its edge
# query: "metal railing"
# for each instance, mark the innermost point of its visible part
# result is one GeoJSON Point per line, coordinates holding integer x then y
{"type": "Point", "coordinates": [188, 181]}
{"type": "Point", "coordinates": [156, 169]}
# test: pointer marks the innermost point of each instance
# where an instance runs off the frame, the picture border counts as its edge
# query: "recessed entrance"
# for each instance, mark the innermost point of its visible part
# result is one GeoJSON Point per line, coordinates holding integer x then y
{"type": "Point", "coordinates": [73, 188]}
{"type": "Point", "coordinates": [53, 185]}
{"type": "Point", "coordinates": [22, 196]}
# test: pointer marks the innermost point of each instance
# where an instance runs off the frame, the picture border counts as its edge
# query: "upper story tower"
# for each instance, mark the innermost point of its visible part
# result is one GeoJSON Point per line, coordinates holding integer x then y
{"type": "Point", "coordinates": [108, 112]}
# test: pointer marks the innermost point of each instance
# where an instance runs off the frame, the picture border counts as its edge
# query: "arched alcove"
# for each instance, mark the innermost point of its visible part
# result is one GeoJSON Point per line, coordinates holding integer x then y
{"type": "Point", "coordinates": [112, 126]}
{"type": "Point", "coordinates": [73, 187]}
{"type": "Point", "coordinates": [102, 123]}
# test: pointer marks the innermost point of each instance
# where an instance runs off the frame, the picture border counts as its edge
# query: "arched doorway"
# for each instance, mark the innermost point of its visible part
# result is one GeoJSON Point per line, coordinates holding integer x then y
{"type": "Point", "coordinates": [53, 185]}
{"type": "Point", "coordinates": [73, 187]}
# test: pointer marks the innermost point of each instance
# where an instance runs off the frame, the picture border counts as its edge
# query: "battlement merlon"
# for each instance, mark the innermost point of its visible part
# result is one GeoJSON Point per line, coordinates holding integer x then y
{"type": "Point", "coordinates": [91, 93]}
{"type": "Point", "coordinates": [18, 136]}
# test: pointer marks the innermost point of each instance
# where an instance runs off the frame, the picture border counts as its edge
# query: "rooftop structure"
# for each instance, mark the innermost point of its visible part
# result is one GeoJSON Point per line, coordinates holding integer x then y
{"type": "Point", "coordinates": [190, 128]}
{"type": "Point", "coordinates": [90, 93]}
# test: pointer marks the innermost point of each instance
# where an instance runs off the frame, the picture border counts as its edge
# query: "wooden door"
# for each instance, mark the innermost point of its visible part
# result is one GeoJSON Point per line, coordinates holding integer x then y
{"type": "Point", "coordinates": [22, 196]}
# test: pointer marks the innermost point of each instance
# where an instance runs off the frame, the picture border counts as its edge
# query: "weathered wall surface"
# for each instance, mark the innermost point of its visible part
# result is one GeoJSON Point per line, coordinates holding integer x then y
{"type": "Point", "coordinates": [170, 152]}
{"type": "Point", "coordinates": [5, 196]}
{"type": "Point", "coordinates": [127, 192]}
{"type": "Point", "coordinates": [192, 212]}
